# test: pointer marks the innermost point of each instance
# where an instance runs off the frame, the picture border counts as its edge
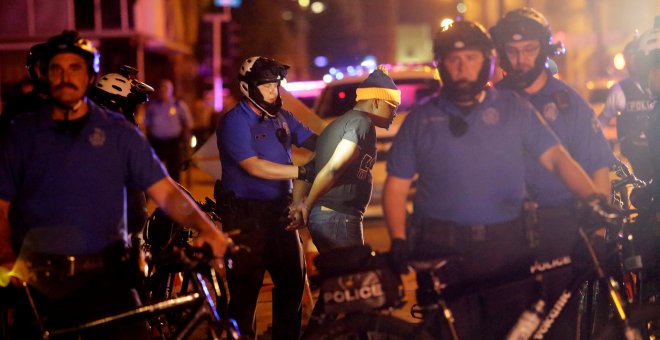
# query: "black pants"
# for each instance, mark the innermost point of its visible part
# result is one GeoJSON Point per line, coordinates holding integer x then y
{"type": "Point", "coordinates": [280, 253]}
{"type": "Point", "coordinates": [169, 152]}
{"type": "Point", "coordinates": [480, 252]}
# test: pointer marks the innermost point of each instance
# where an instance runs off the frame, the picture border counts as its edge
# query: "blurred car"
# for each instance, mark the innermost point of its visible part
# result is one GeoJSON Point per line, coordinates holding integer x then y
{"type": "Point", "coordinates": [416, 82]}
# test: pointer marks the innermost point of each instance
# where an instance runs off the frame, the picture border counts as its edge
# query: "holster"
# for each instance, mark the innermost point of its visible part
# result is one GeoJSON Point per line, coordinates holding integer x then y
{"type": "Point", "coordinates": [249, 215]}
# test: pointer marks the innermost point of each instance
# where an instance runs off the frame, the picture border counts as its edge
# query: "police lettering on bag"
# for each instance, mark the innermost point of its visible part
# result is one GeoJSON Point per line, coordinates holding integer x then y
{"type": "Point", "coordinates": [354, 292]}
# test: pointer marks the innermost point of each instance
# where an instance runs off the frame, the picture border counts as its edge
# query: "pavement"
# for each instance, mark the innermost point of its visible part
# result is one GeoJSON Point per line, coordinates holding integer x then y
{"type": "Point", "coordinates": [200, 186]}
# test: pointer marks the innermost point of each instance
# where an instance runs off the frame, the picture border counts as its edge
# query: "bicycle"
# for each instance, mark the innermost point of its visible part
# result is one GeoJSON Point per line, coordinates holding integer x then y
{"type": "Point", "coordinates": [174, 314]}
{"type": "Point", "coordinates": [371, 320]}
{"type": "Point", "coordinates": [192, 307]}
{"type": "Point", "coordinates": [167, 279]}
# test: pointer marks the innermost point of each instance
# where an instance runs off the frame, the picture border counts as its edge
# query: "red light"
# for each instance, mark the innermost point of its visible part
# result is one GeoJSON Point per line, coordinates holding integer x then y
{"type": "Point", "coordinates": [342, 95]}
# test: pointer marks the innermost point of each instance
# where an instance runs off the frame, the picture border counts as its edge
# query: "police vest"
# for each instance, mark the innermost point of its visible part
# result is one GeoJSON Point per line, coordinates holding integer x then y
{"type": "Point", "coordinates": [632, 122]}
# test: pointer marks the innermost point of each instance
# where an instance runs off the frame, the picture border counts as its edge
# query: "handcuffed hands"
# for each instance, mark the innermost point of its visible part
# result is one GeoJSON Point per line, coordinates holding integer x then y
{"type": "Point", "coordinates": [298, 216]}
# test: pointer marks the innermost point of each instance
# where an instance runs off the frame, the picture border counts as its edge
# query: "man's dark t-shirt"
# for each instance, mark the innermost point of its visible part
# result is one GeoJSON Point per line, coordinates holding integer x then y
{"type": "Point", "coordinates": [351, 193]}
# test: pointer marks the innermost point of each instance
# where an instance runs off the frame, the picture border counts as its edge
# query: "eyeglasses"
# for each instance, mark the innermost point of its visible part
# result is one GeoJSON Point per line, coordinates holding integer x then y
{"type": "Point", "coordinates": [457, 126]}
{"type": "Point", "coordinates": [526, 51]}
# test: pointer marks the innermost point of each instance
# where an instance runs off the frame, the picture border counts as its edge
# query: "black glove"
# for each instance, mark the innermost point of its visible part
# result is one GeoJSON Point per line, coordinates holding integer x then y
{"type": "Point", "coordinates": [307, 172]}
{"type": "Point", "coordinates": [399, 256]}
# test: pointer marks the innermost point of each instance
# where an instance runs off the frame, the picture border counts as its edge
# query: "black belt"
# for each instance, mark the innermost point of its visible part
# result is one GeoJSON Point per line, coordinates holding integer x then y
{"type": "Point", "coordinates": [469, 232]}
{"type": "Point", "coordinates": [71, 265]}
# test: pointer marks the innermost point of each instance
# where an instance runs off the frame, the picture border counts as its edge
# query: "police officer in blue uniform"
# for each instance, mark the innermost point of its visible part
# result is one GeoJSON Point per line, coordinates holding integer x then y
{"type": "Point", "coordinates": [524, 43]}
{"type": "Point", "coordinates": [468, 147]}
{"type": "Point", "coordinates": [631, 102]}
{"type": "Point", "coordinates": [648, 237]}
{"type": "Point", "coordinates": [64, 169]}
{"type": "Point", "coordinates": [255, 139]}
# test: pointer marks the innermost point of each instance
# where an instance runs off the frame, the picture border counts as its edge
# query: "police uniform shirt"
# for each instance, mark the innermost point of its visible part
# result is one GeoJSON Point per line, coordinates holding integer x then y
{"type": "Point", "coordinates": [632, 124]}
{"type": "Point", "coordinates": [476, 178]}
{"type": "Point", "coordinates": [71, 188]}
{"type": "Point", "coordinates": [574, 122]}
{"type": "Point", "coordinates": [167, 119]}
{"type": "Point", "coordinates": [243, 134]}
{"type": "Point", "coordinates": [654, 146]}
{"type": "Point", "coordinates": [352, 191]}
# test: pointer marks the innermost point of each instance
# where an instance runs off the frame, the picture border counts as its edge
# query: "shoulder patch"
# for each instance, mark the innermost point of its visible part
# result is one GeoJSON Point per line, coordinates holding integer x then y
{"type": "Point", "coordinates": [562, 99]}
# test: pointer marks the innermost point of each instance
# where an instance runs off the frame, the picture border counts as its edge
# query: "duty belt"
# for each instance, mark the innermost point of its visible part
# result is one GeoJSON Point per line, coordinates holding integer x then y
{"type": "Point", "coordinates": [50, 265]}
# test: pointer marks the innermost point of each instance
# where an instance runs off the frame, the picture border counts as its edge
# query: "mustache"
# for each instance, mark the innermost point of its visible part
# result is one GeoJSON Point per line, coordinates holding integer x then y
{"type": "Point", "coordinates": [63, 85]}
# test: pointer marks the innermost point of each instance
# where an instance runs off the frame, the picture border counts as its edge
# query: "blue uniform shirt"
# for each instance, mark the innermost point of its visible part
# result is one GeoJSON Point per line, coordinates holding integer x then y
{"type": "Point", "coordinates": [72, 187]}
{"type": "Point", "coordinates": [476, 178]}
{"type": "Point", "coordinates": [574, 122]}
{"type": "Point", "coordinates": [243, 134]}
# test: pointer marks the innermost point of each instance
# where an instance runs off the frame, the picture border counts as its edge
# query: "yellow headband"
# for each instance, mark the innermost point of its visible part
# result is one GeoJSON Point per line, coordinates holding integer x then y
{"type": "Point", "coordinates": [363, 93]}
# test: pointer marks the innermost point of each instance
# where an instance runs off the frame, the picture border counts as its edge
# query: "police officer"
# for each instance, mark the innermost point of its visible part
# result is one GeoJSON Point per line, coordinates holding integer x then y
{"type": "Point", "coordinates": [468, 148]}
{"type": "Point", "coordinates": [648, 59]}
{"type": "Point", "coordinates": [63, 173]}
{"type": "Point", "coordinates": [35, 98]}
{"type": "Point", "coordinates": [631, 102]}
{"type": "Point", "coordinates": [524, 43]}
{"type": "Point", "coordinates": [121, 92]}
{"type": "Point", "coordinates": [254, 139]}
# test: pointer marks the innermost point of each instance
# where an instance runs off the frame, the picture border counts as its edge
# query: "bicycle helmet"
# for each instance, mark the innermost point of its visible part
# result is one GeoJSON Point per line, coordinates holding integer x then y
{"type": "Point", "coordinates": [463, 35]}
{"type": "Point", "coordinates": [257, 71]}
{"type": "Point", "coordinates": [70, 41]}
{"type": "Point", "coordinates": [648, 53]}
{"type": "Point", "coordinates": [33, 65]}
{"type": "Point", "coordinates": [121, 92]}
{"type": "Point", "coordinates": [525, 24]}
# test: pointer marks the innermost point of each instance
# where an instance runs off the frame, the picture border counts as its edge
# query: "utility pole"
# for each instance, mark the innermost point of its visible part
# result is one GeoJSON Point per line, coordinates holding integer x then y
{"type": "Point", "coordinates": [216, 20]}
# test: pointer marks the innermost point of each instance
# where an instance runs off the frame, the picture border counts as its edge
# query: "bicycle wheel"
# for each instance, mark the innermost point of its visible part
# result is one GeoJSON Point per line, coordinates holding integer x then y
{"type": "Point", "coordinates": [369, 326]}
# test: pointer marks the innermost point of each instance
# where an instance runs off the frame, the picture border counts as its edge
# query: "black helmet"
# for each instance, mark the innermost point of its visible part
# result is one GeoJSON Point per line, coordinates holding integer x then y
{"type": "Point", "coordinates": [462, 35]}
{"type": "Point", "coordinates": [121, 92]}
{"type": "Point", "coordinates": [70, 41]}
{"type": "Point", "coordinates": [525, 24]}
{"type": "Point", "coordinates": [33, 65]}
{"type": "Point", "coordinates": [256, 71]}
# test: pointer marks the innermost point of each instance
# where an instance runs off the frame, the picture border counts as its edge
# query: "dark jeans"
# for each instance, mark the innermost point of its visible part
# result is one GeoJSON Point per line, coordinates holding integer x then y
{"type": "Point", "coordinates": [478, 253]}
{"type": "Point", "coordinates": [169, 152]}
{"type": "Point", "coordinates": [332, 229]}
{"type": "Point", "coordinates": [280, 253]}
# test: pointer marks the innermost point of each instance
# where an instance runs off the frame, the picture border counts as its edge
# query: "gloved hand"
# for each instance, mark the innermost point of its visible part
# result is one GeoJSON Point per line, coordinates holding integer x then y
{"type": "Point", "coordinates": [399, 256]}
{"type": "Point", "coordinates": [307, 172]}
{"type": "Point", "coordinates": [601, 211]}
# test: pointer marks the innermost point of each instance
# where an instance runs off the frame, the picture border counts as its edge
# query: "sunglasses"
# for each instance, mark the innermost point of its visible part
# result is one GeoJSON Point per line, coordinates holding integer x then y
{"type": "Point", "coordinates": [396, 107]}
{"type": "Point", "coordinates": [457, 126]}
